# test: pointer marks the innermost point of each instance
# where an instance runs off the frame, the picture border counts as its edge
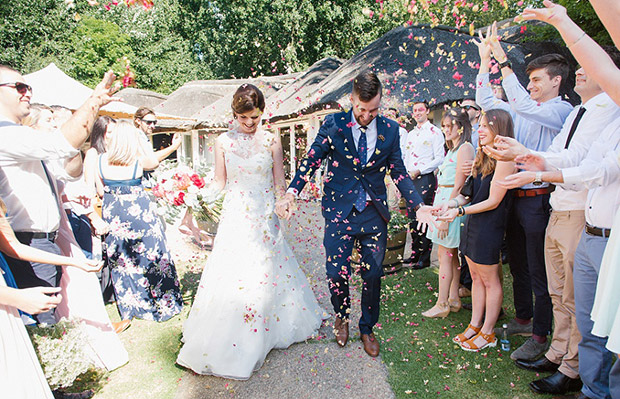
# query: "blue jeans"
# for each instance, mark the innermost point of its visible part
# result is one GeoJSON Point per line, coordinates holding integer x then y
{"type": "Point", "coordinates": [594, 359]}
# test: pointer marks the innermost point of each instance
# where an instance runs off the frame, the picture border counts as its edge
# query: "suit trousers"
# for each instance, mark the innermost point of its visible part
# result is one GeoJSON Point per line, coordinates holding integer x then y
{"type": "Point", "coordinates": [563, 234]}
{"type": "Point", "coordinates": [525, 235]}
{"type": "Point", "coordinates": [369, 230]}
{"type": "Point", "coordinates": [421, 246]}
{"type": "Point", "coordinates": [594, 358]}
{"type": "Point", "coordinates": [33, 274]}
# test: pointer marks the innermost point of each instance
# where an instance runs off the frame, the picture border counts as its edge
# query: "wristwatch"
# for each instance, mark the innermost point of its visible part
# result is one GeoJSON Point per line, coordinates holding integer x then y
{"type": "Point", "coordinates": [538, 180]}
{"type": "Point", "coordinates": [505, 64]}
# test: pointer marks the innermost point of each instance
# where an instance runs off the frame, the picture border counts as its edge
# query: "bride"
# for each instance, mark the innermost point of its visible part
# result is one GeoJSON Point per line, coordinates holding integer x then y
{"type": "Point", "coordinates": [252, 296]}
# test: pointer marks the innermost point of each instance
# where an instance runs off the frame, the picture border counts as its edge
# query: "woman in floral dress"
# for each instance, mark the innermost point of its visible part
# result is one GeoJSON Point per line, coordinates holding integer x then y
{"type": "Point", "coordinates": [143, 273]}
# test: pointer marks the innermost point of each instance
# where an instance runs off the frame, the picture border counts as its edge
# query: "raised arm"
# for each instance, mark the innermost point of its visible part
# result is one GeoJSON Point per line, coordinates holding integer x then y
{"type": "Point", "coordinates": [594, 60]}
{"type": "Point", "coordinates": [77, 129]}
{"type": "Point", "coordinates": [162, 154]}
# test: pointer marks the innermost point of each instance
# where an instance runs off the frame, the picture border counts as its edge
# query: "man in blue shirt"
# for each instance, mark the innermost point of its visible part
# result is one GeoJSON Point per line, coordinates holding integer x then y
{"type": "Point", "coordinates": [538, 117]}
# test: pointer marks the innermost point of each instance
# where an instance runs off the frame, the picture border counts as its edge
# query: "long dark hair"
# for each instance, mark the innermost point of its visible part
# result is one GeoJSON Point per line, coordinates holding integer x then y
{"type": "Point", "coordinates": [97, 135]}
{"type": "Point", "coordinates": [460, 118]}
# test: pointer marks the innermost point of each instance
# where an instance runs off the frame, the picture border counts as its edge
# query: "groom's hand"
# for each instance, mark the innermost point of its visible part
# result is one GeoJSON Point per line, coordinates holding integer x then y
{"type": "Point", "coordinates": [284, 206]}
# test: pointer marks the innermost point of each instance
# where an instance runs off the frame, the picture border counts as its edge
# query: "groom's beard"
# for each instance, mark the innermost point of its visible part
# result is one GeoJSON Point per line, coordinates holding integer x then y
{"type": "Point", "coordinates": [366, 122]}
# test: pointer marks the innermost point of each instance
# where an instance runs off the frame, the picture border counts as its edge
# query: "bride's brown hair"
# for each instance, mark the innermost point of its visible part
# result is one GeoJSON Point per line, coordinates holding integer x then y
{"type": "Point", "coordinates": [247, 98]}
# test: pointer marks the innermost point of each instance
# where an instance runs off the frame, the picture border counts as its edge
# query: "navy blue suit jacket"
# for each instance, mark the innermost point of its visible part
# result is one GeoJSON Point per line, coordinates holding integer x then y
{"type": "Point", "coordinates": [334, 144]}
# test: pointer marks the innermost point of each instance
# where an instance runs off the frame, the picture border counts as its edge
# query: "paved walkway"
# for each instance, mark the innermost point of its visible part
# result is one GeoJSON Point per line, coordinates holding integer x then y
{"type": "Point", "coordinates": [318, 368]}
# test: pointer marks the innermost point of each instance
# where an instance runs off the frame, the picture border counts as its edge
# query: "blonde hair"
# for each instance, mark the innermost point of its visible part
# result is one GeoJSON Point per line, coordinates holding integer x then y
{"type": "Point", "coordinates": [35, 115]}
{"type": "Point", "coordinates": [124, 147]}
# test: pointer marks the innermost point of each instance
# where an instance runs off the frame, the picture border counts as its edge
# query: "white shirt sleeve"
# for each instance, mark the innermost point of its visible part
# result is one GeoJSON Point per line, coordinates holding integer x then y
{"type": "Point", "coordinates": [21, 143]}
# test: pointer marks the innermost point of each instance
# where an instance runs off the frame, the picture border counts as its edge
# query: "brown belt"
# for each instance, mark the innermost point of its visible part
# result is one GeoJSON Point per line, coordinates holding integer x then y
{"type": "Point", "coordinates": [533, 192]}
{"type": "Point", "coordinates": [446, 185]}
{"type": "Point", "coordinates": [597, 231]}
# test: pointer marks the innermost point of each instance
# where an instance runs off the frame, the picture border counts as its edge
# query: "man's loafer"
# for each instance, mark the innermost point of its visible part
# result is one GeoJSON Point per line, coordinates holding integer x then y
{"type": "Point", "coordinates": [556, 383]}
{"type": "Point", "coordinates": [541, 365]}
{"type": "Point", "coordinates": [371, 345]}
{"type": "Point", "coordinates": [341, 330]}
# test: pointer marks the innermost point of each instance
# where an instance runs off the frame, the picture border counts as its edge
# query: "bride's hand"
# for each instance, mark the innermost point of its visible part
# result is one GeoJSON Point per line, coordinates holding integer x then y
{"type": "Point", "coordinates": [284, 206]}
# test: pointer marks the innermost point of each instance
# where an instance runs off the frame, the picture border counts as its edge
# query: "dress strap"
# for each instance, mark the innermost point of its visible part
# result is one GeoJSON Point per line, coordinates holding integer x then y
{"type": "Point", "coordinates": [135, 168]}
{"type": "Point", "coordinates": [100, 168]}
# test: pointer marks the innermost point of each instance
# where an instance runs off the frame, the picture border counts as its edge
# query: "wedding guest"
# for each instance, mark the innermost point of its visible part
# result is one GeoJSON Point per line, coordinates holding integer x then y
{"type": "Point", "coordinates": [538, 117]}
{"type": "Point", "coordinates": [583, 126]}
{"type": "Point", "coordinates": [422, 151]}
{"type": "Point", "coordinates": [252, 293]}
{"type": "Point", "coordinates": [143, 274]}
{"type": "Point", "coordinates": [20, 372]}
{"type": "Point", "coordinates": [483, 233]}
{"type": "Point", "coordinates": [457, 130]}
{"type": "Point", "coordinates": [473, 111]}
{"type": "Point", "coordinates": [36, 218]}
{"type": "Point", "coordinates": [145, 120]}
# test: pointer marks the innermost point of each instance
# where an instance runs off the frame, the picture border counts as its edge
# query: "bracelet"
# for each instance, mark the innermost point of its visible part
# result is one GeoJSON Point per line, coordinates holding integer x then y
{"type": "Point", "coordinates": [456, 202]}
{"type": "Point", "coordinates": [575, 42]}
{"type": "Point", "coordinates": [461, 211]}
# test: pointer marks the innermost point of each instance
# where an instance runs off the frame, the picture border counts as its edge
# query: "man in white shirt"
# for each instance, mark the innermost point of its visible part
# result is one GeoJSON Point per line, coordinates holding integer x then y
{"type": "Point", "coordinates": [598, 171]}
{"type": "Point", "coordinates": [26, 186]}
{"type": "Point", "coordinates": [423, 152]}
{"type": "Point", "coordinates": [538, 114]}
{"type": "Point", "coordinates": [566, 223]}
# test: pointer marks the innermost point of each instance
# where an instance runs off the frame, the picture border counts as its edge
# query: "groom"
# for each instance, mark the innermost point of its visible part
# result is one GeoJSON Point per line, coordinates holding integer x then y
{"type": "Point", "coordinates": [359, 147]}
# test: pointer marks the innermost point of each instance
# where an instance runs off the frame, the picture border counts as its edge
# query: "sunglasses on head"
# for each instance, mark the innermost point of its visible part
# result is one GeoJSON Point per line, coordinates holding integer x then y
{"type": "Point", "coordinates": [150, 122]}
{"type": "Point", "coordinates": [468, 107]}
{"type": "Point", "coordinates": [22, 88]}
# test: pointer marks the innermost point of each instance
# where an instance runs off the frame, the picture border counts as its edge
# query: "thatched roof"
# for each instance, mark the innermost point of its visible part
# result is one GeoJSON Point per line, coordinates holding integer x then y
{"type": "Point", "coordinates": [219, 114]}
{"type": "Point", "coordinates": [141, 98]}
{"type": "Point", "coordinates": [195, 96]}
{"type": "Point", "coordinates": [437, 64]}
{"type": "Point", "coordinates": [301, 94]}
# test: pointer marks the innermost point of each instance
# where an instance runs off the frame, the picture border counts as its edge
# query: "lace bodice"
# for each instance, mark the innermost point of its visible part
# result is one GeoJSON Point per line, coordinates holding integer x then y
{"type": "Point", "coordinates": [249, 171]}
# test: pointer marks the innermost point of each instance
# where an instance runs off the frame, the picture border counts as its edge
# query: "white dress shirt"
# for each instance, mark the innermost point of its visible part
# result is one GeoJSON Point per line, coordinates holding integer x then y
{"type": "Point", "coordinates": [535, 124]}
{"type": "Point", "coordinates": [601, 111]}
{"type": "Point", "coordinates": [423, 149]}
{"type": "Point", "coordinates": [371, 135]}
{"type": "Point", "coordinates": [599, 172]}
{"type": "Point", "coordinates": [24, 186]}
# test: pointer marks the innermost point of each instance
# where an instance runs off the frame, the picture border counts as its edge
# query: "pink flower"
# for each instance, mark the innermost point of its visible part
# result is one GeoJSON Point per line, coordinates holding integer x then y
{"type": "Point", "coordinates": [457, 76]}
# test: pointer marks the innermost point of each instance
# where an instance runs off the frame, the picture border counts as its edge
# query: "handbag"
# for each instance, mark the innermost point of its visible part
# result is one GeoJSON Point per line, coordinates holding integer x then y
{"type": "Point", "coordinates": [468, 187]}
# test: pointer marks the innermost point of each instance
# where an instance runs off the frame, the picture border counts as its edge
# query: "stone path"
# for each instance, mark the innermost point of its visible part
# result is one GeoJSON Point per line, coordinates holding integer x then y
{"type": "Point", "coordinates": [318, 368]}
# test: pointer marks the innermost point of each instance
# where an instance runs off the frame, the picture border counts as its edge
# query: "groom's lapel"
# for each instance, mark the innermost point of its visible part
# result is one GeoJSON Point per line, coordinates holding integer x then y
{"type": "Point", "coordinates": [344, 124]}
{"type": "Point", "coordinates": [381, 139]}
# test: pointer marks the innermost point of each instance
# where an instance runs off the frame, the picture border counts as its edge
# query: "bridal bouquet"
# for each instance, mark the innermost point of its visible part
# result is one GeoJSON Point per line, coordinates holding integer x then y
{"type": "Point", "coordinates": [179, 187]}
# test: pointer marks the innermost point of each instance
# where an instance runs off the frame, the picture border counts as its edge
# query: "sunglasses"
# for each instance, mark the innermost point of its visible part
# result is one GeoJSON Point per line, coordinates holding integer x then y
{"type": "Point", "coordinates": [468, 107]}
{"type": "Point", "coordinates": [22, 88]}
{"type": "Point", "coordinates": [150, 122]}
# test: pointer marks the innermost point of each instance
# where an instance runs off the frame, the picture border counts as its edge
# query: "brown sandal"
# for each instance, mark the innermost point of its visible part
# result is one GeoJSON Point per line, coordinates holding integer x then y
{"type": "Point", "coordinates": [489, 342]}
{"type": "Point", "coordinates": [462, 337]}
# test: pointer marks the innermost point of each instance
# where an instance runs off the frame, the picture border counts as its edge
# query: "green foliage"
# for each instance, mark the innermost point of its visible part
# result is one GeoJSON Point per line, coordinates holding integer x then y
{"type": "Point", "coordinates": [97, 46]}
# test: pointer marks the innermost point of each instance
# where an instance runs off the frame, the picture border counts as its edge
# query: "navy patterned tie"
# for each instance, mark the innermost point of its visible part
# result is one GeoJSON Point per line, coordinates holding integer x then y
{"type": "Point", "coordinates": [362, 149]}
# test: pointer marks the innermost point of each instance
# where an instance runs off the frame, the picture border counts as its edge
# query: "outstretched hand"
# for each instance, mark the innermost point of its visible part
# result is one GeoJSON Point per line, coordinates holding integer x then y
{"type": "Point", "coordinates": [425, 218]}
{"type": "Point", "coordinates": [484, 48]}
{"type": "Point", "coordinates": [505, 149]}
{"type": "Point", "coordinates": [37, 299]}
{"type": "Point", "coordinates": [552, 14]}
{"type": "Point", "coordinates": [531, 162]}
{"type": "Point", "coordinates": [516, 180]}
{"type": "Point", "coordinates": [88, 265]}
{"type": "Point", "coordinates": [449, 215]}
{"type": "Point", "coordinates": [103, 92]}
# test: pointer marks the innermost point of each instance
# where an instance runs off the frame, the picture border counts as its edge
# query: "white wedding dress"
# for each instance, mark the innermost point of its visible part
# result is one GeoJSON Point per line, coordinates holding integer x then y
{"type": "Point", "coordinates": [252, 296]}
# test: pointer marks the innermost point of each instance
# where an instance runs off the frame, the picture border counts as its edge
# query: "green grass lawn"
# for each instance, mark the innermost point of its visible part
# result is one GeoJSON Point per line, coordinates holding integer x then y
{"type": "Point", "coordinates": [422, 359]}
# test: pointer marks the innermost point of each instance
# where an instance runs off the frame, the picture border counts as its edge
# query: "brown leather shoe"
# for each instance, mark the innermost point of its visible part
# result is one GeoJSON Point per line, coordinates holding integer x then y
{"type": "Point", "coordinates": [121, 326]}
{"type": "Point", "coordinates": [371, 345]}
{"type": "Point", "coordinates": [341, 330]}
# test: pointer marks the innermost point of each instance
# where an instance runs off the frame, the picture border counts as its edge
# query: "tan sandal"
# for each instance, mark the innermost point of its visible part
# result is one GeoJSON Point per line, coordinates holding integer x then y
{"type": "Point", "coordinates": [489, 342]}
{"type": "Point", "coordinates": [455, 305]}
{"type": "Point", "coordinates": [441, 310]}
{"type": "Point", "coordinates": [465, 335]}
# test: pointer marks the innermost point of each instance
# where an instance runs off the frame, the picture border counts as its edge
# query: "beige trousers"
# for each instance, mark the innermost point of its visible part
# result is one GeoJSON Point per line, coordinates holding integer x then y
{"type": "Point", "coordinates": [561, 239]}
